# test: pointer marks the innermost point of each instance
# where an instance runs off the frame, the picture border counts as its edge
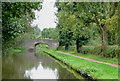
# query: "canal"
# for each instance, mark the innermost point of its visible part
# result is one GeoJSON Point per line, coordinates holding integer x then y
{"type": "Point", "coordinates": [29, 66]}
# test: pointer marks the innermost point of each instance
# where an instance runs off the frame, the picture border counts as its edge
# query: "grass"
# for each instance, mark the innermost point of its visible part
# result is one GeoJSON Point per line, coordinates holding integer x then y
{"type": "Point", "coordinates": [69, 69]}
{"type": "Point", "coordinates": [95, 57]}
{"type": "Point", "coordinates": [95, 70]}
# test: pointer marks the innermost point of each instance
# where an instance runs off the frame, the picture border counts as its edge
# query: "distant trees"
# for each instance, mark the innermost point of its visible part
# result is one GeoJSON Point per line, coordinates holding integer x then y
{"type": "Point", "coordinates": [51, 33]}
{"type": "Point", "coordinates": [37, 30]}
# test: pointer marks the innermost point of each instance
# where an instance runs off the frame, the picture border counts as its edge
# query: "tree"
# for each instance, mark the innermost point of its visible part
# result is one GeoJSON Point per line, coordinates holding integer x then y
{"type": "Point", "coordinates": [76, 17]}
{"type": "Point", "coordinates": [112, 25]}
{"type": "Point", "coordinates": [51, 33]}
{"type": "Point", "coordinates": [16, 20]}
{"type": "Point", "coordinates": [17, 17]}
{"type": "Point", "coordinates": [37, 30]}
{"type": "Point", "coordinates": [70, 23]}
{"type": "Point", "coordinates": [65, 23]}
{"type": "Point", "coordinates": [100, 11]}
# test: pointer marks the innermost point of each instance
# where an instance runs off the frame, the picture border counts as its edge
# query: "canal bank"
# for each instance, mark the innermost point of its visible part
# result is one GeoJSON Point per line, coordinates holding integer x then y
{"type": "Point", "coordinates": [79, 73]}
{"type": "Point", "coordinates": [87, 68]}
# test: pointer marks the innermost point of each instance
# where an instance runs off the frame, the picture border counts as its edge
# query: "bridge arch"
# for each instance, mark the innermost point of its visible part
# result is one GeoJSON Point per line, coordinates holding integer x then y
{"type": "Point", "coordinates": [34, 42]}
{"type": "Point", "coordinates": [41, 43]}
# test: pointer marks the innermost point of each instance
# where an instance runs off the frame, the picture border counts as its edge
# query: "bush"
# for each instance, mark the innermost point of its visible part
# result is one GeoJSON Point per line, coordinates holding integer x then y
{"type": "Point", "coordinates": [97, 50]}
{"type": "Point", "coordinates": [110, 51]}
{"type": "Point", "coordinates": [61, 48]}
{"type": "Point", "coordinates": [90, 49]}
{"type": "Point", "coordinates": [72, 48]}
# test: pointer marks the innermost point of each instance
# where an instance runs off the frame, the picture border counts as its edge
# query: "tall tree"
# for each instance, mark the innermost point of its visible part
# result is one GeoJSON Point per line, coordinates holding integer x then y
{"type": "Point", "coordinates": [70, 23]}
{"type": "Point", "coordinates": [100, 11]}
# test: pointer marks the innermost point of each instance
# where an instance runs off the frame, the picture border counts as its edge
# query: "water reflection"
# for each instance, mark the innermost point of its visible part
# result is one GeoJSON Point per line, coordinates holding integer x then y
{"type": "Point", "coordinates": [41, 73]}
{"type": "Point", "coordinates": [13, 66]}
{"type": "Point", "coordinates": [28, 66]}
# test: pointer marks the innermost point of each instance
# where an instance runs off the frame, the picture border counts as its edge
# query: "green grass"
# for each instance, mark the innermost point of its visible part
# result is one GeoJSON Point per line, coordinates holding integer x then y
{"type": "Point", "coordinates": [95, 70]}
{"type": "Point", "coordinates": [95, 57]}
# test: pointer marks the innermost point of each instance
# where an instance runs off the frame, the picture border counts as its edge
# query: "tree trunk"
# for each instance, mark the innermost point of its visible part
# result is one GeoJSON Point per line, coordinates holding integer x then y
{"type": "Point", "coordinates": [77, 45]}
{"type": "Point", "coordinates": [103, 32]}
{"type": "Point", "coordinates": [104, 42]}
{"type": "Point", "coordinates": [66, 46]}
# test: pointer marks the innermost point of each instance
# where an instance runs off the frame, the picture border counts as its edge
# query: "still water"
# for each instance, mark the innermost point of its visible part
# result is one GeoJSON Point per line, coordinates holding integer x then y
{"type": "Point", "coordinates": [28, 66]}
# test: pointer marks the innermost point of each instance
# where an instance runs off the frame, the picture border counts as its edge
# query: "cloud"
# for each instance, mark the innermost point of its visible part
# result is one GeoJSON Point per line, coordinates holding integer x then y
{"type": "Point", "coordinates": [45, 18]}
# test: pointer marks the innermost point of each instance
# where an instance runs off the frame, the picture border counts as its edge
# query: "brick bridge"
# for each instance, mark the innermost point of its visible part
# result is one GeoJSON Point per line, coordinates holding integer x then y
{"type": "Point", "coordinates": [31, 44]}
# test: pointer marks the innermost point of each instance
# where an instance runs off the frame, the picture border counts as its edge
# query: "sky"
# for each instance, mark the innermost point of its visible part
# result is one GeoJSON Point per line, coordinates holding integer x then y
{"type": "Point", "coordinates": [45, 18]}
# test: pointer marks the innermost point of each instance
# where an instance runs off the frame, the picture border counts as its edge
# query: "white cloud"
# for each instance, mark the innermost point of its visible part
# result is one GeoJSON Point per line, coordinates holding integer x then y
{"type": "Point", "coordinates": [45, 18]}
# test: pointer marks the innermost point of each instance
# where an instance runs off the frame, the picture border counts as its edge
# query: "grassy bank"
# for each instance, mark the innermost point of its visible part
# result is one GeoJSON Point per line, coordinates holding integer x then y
{"type": "Point", "coordinates": [95, 70]}
{"type": "Point", "coordinates": [95, 57]}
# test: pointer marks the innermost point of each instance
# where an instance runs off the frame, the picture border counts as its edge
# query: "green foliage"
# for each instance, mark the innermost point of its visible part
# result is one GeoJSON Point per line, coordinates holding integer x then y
{"type": "Point", "coordinates": [16, 50]}
{"type": "Point", "coordinates": [112, 25]}
{"type": "Point", "coordinates": [90, 50]}
{"type": "Point", "coordinates": [110, 51]}
{"type": "Point", "coordinates": [70, 23]}
{"type": "Point", "coordinates": [40, 48]}
{"type": "Point", "coordinates": [16, 21]}
{"type": "Point", "coordinates": [16, 45]}
{"type": "Point", "coordinates": [33, 32]}
{"type": "Point", "coordinates": [17, 17]}
{"type": "Point", "coordinates": [51, 33]}
{"type": "Point", "coordinates": [91, 23]}
{"type": "Point", "coordinates": [37, 30]}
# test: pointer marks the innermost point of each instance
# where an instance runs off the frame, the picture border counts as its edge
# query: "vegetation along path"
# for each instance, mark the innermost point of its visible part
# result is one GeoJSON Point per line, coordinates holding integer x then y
{"type": "Point", "coordinates": [90, 59]}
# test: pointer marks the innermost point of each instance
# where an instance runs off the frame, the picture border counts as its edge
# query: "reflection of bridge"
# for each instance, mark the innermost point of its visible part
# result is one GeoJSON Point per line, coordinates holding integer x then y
{"type": "Point", "coordinates": [31, 43]}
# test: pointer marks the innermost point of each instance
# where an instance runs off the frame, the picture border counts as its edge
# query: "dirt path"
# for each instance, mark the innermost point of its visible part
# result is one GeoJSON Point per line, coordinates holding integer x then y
{"type": "Point", "coordinates": [114, 65]}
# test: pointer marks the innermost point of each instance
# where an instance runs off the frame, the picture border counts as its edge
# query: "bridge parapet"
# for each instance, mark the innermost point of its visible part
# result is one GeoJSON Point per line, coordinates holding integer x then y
{"type": "Point", "coordinates": [50, 42]}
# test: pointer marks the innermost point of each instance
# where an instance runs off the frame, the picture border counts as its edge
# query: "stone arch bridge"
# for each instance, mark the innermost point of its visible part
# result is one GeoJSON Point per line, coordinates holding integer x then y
{"type": "Point", "coordinates": [31, 43]}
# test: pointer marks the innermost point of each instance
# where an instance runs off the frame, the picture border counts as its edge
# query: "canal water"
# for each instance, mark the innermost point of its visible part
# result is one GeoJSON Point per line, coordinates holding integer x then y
{"type": "Point", "coordinates": [29, 66]}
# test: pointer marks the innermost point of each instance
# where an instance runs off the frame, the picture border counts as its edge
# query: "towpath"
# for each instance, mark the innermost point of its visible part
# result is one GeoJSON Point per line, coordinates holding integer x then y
{"type": "Point", "coordinates": [114, 65]}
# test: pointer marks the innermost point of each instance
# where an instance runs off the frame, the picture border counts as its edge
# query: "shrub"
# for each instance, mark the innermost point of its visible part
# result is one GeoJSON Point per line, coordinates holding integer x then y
{"type": "Point", "coordinates": [110, 51]}
{"type": "Point", "coordinates": [87, 49]}
{"type": "Point", "coordinates": [60, 48]}
{"type": "Point", "coordinates": [72, 48]}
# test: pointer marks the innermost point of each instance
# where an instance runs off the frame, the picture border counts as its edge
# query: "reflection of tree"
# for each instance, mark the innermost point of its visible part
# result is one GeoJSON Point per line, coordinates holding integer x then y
{"type": "Point", "coordinates": [62, 73]}
{"type": "Point", "coordinates": [14, 67]}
